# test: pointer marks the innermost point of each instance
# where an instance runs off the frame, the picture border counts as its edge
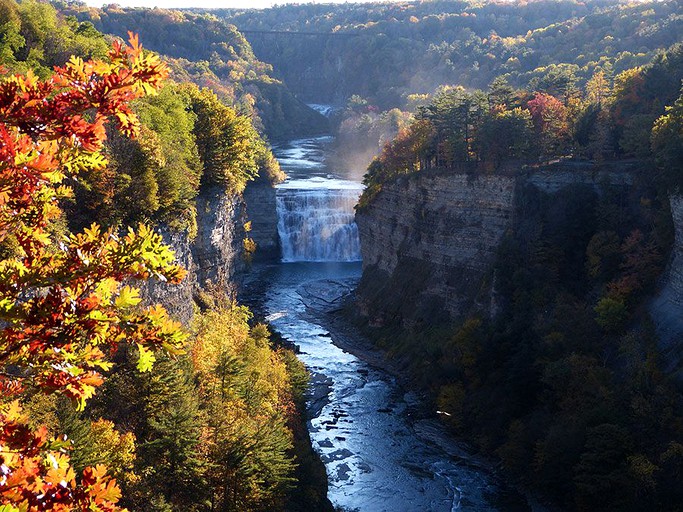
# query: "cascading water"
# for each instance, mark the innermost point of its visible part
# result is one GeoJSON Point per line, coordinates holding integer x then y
{"type": "Point", "coordinates": [379, 452]}
{"type": "Point", "coordinates": [316, 220]}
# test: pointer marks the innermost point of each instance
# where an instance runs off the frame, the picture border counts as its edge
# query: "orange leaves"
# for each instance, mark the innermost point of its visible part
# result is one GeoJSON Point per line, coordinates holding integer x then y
{"type": "Point", "coordinates": [61, 300]}
{"type": "Point", "coordinates": [35, 473]}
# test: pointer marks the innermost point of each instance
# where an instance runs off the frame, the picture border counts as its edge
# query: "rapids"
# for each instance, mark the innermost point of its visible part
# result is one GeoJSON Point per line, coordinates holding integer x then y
{"type": "Point", "coordinates": [382, 448]}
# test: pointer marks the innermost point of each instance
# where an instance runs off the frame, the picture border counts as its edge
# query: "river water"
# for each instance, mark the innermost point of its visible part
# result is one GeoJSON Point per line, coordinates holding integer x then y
{"type": "Point", "coordinates": [381, 450]}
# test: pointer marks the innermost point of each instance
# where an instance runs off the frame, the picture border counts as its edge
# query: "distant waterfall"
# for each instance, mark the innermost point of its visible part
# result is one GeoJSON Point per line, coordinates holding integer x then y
{"type": "Point", "coordinates": [317, 224]}
{"type": "Point", "coordinates": [326, 110]}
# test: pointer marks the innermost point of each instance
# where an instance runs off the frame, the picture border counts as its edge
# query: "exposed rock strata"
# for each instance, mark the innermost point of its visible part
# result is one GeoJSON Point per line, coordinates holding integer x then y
{"type": "Point", "coordinates": [213, 258]}
{"type": "Point", "coordinates": [429, 241]}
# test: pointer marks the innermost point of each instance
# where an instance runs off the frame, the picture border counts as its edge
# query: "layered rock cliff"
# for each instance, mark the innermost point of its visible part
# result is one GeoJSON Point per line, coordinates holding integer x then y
{"type": "Point", "coordinates": [429, 241]}
{"type": "Point", "coordinates": [214, 257]}
{"type": "Point", "coordinates": [667, 307]}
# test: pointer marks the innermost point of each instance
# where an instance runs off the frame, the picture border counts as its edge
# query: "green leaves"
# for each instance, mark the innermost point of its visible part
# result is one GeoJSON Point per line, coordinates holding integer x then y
{"type": "Point", "coordinates": [61, 298]}
{"type": "Point", "coordinates": [146, 359]}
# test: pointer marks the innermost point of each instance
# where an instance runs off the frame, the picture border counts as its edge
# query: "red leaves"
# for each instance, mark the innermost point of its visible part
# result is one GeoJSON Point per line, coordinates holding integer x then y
{"type": "Point", "coordinates": [61, 298]}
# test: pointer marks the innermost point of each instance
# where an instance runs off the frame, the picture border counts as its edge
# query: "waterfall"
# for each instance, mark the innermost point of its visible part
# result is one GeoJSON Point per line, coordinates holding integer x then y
{"type": "Point", "coordinates": [326, 110]}
{"type": "Point", "coordinates": [317, 224]}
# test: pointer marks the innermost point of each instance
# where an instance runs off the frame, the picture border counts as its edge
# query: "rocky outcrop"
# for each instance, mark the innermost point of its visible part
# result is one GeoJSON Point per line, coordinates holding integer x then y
{"type": "Point", "coordinates": [667, 307]}
{"type": "Point", "coordinates": [218, 248]}
{"type": "Point", "coordinates": [259, 197]}
{"type": "Point", "coordinates": [213, 258]}
{"type": "Point", "coordinates": [429, 241]}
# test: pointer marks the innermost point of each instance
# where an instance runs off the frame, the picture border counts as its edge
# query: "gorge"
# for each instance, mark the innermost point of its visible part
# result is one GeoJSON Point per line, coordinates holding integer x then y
{"type": "Point", "coordinates": [436, 259]}
{"type": "Point", "coordinates": [370, 432]}
{"type": "Point", "coordinates": [375, 257]}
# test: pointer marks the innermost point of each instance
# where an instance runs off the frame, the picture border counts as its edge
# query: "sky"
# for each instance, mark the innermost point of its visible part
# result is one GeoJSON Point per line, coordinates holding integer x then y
{"type": "Point", "coordinates": [211, 4]}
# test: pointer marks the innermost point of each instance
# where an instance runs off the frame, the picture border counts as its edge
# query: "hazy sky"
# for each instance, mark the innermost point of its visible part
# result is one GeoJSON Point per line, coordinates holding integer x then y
{"type": "Point", "coordinates": [210, 3]}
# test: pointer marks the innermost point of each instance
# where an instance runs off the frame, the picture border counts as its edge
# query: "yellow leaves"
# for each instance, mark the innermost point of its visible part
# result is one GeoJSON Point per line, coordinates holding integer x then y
{"type": "Point", "coordinates": [128, 297]}
{"type": "Point", "coordinates": [116, 450]}
{"type": "Point", "coordinates": [105, 289]}
{"type": "Point", "coordinates": [41, 236]}
{"type": "Point", "coordinates": [76, 66]}
{"type": "Point", "coordinates": [61, 302]}
{"type": "Point", "coordinates": [27, 82]}
{"type": "Point", "coordinates": [146, 359]}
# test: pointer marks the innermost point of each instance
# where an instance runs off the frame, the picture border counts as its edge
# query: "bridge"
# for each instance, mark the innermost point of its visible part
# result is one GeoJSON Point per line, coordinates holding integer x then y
{"type": "Point", "coordinates": [299, 33]}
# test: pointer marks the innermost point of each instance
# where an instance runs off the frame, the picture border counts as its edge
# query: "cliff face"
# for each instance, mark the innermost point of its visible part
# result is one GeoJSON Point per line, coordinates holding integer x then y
{"type": "Point", "coordinates": [218, 248]}
{"type": "Point", "coordinates": [429, 241]}
{"type": "Point", "coordinates": [667, 307]}
{"type": "Point", "coordinates": [259, 197]}
{"type": "Point", "coordinates": [213, 258]}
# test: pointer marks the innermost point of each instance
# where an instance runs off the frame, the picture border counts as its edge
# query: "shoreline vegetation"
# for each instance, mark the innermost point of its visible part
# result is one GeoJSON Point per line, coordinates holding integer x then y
{"type": "Point", "coordinates": [107, 402]}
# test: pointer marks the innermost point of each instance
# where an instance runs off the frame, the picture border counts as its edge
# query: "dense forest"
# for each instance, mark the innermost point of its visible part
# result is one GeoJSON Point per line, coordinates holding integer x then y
{"type": "Point", "coordinates": [107, 402]}
{"type": "Point", "coordinates": [209, 52]}
{"type": "Point", "coordinates": [381, 62]}
{"type": "Point", "coordinates": [214, 420]}
{"type": "Point", "coordinates": [385, 52]}
{"type": "Point", "coordinates": [631, 115]}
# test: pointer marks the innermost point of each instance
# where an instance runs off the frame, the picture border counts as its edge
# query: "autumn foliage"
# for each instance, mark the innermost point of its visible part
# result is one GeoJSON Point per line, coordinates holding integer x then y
{"type": "Point", "coordinates": [63, 307]}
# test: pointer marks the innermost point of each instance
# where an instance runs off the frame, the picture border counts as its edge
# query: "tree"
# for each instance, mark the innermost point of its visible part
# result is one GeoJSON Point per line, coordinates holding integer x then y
{"type": "Point", "coordinates": [62, 302]}
{"type": "Point", "coordinates": [504, 135]}
{"type": "Point", "coordinates": [228, 144]}
{"type": "Point", "coordinates": [549, 116]}
{"type": "Point", "coordinates": [598, 89]}
{"type": "Point", "coordinates": [245, 392]}
{"type": "Point", "coordinates": [456, 114]}
{"type": "Point", "coordinates": [667, 144]}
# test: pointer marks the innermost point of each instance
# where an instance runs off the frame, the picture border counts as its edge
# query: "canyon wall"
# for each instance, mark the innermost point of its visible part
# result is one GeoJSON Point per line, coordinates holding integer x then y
{"type": "Point", "coordinates": [214, 257]}
{"type": "Point", "coordinates": [429, 241]}
{"type": "Point", "coordinates": [259, 197]}
{"type": "Point", "coordinates": [667, 306]}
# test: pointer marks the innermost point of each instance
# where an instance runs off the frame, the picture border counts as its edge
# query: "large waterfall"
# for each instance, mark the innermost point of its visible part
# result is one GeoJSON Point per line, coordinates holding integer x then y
{"type": "Point", "coordinates": [316, 220]}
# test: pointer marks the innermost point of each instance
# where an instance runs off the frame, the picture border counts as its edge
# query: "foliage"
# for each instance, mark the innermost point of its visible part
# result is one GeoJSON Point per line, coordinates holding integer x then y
{"type": "Point", "coordinates": [667, 144]}
{"type": "Point", "coordinates": [385, 51]}
{"type": "Point", "coordinates": [228, 144]}
{"type": "Point", "coordinates": [506, 128]}
{"type": "Point", "coordinates": [244, 391]}
{"type": "Point", "coordinates": [35, 37]}
{"type": "Point", "coordinates": [203, 49]}
{"type": "Point", "coordinates": [61, 297]}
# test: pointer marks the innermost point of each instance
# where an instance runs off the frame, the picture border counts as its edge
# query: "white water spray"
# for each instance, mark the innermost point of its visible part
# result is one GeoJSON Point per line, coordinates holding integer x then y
{"type": "Point", "coordinates": [316, 220]}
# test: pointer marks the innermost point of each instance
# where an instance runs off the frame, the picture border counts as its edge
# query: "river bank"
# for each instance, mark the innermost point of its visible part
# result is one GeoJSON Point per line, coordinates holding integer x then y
{"type": "Point", "coordinates": [331, 303]}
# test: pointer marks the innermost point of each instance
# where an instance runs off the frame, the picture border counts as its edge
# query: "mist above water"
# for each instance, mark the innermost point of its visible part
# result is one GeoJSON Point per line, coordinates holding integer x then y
{"type": "Point", "coordinates": [315, 206]}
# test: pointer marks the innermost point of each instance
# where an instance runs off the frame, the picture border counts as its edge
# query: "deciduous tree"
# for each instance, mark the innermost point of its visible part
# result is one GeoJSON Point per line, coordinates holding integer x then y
{"type": "Point", "coordinates": [62, 303]}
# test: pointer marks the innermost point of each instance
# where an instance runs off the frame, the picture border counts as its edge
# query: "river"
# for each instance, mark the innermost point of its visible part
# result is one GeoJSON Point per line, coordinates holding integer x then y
{"type": "Point", "coordinates": [382, 450]}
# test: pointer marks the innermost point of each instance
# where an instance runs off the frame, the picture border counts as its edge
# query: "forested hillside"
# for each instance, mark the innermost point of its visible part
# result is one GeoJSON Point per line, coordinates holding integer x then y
{"type": "Point", "coordinates": [385, 52]}
{"type": "Point", "coordinates": [187, 417]}
{"type": "Point", "coordinates": [632, 115]}
{"type": "Point", "coordinates": [209, 52]}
